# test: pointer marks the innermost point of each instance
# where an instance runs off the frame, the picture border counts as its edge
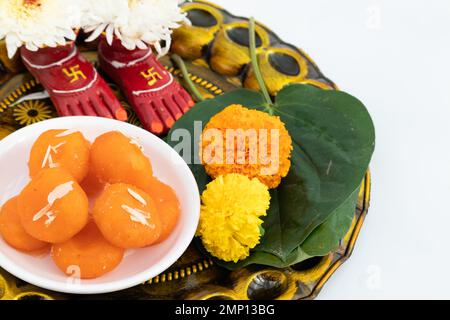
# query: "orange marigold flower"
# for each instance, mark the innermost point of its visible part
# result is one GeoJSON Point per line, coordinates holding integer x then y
{"type": "Point", "coordinates": [248, 142]}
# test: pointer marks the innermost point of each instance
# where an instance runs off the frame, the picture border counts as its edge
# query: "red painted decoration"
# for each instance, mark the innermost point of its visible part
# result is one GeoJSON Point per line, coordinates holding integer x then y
{"type": "Point", "coordinates": [156, 96]}
{"type": "Point", "coordinates": [31, 2]}
{"type": "Point", "coordinates": [75, 87]}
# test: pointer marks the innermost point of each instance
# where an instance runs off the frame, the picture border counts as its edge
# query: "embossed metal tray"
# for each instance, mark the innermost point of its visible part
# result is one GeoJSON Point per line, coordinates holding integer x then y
{"type": "Point", "coordinates": [216, 48]}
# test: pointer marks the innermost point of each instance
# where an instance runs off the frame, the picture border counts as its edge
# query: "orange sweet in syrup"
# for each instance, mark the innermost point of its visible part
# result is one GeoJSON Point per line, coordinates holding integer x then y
{"type": "Point", "coordinates": [92, 187]}
{"type": "Point", "coordinates": [87, 254]}
{"type": "Point", "coordinates": [67, 149]}
{"type": "Point", "coordinates": [167, 205]}
{"type": "Point", "coordinates": [127, 216]}
{"type": "Point", "coordinates": [116, 158]}
{"type": "Point", "coordinates": [53, 207]}
{"type": "Point", "coordinates": [12, 231]}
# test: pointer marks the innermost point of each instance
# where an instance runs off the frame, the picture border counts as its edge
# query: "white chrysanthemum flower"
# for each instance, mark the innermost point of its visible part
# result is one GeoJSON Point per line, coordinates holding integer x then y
{"type": "Point", "coordinates": [38, 23]}
{"type": "Point", "coordinates": [137, 23]}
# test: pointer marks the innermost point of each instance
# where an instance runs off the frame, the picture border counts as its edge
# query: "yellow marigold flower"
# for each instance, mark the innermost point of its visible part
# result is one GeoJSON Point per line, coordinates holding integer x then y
{"type": "Point", "coordinates": [248, 142]}
{"type": "Point", "coordinates": [230, 216]}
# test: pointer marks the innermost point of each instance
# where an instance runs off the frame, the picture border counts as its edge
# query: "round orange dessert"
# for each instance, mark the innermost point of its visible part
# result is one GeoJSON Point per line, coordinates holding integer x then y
{"type": "Point", "coordinates": [167, 206]}
{"type": "Point", "coordinates": [53, 207]}
{"type": "Point", "coordinates": [67, 149]}
{"type": "Point", "coordinates": [127, 216]}
{"type": "Point", "coordinates": [12, 231]}
{"type": "Point", "coordinates": [88, 254]}
{"type": "Point", "coordinates": [116, 158]}
{"type": "Point", "coordinates": [92, 185]}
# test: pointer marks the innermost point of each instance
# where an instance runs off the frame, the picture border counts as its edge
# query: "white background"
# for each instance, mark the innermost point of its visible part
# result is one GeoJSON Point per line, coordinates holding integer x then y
{"type": "Point", "coordinates": [395, 56]}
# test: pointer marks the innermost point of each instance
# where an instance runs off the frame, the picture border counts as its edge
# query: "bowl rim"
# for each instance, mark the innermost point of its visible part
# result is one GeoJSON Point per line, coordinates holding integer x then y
{"type": "Point", "coordinates": [173, 255]}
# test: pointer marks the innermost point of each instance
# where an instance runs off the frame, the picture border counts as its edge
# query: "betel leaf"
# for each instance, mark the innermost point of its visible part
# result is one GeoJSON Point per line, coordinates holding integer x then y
{"type": "Point", "coordinates": [267, 259]}
{"type": "Point", "coordinates": [262, 258]}
{"type": "Point", "coordinates": [326, 237]}
{"type": "Point", "coordinates": [333, 139]}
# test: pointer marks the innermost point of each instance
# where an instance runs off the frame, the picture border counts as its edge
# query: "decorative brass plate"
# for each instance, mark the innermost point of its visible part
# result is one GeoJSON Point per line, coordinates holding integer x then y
{"type": "Point", "coordinates": [217, 46]}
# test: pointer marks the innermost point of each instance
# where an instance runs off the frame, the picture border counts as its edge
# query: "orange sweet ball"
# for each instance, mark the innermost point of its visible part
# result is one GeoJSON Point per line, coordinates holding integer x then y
{"type": "Point", "coordinates": [66, 149]}
{"type": "Point", "coordinates": [92, 187]}
{"type": "Point", "coordinates": [167, 205]}
{"type": "Point", "coordinates": [53, 207]}
{"type": "Point", "coordinates": [12, 231]}
{"type": "Point", "coordinates": [115, 158]}
{"type": "Point", "coordinates": [88, 251]}
{"type": "Point", "coordinates": [127, 216]}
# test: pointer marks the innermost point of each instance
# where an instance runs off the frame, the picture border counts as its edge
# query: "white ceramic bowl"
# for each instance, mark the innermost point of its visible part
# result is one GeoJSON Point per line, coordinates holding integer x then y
{"type": "Point", "coordinates": [138, 265]}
